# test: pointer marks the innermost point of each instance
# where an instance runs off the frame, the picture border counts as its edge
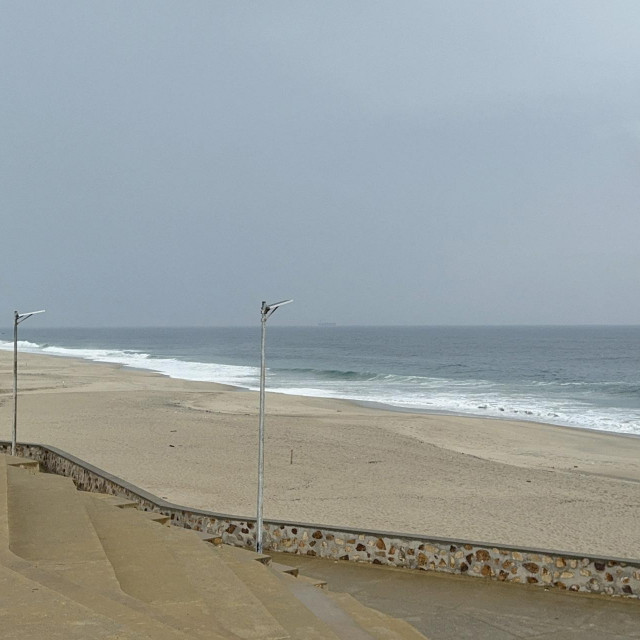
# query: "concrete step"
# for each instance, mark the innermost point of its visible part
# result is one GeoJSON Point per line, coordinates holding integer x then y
{"type": "Point", "coordinates": [46, 477]}
{"type": "Point", "coordinates": [23, 463]}
{"type": "Point", "coordinates": [317, 602]}
{"type": "Point", "coordinates": [146, 567]}
{"type": "Point", "coordinates": [314, 582]}
{"type": "Point", "coordinates": [156, 517]}
{"type": "Point", "coordinates": [116, 501]}
{"type": "Point", "coordinates": [242, 554]}
{"type": "Point", "coordinates": [283, 568]}
{"type": "Point", "coordinates": [49, 526]}
{"type": "Point", "coordinates": [378, 624]}
{"type": "Point", "coordinates": [30, 610]}
{"type": "Point", "coordinates": [115, 605]}
{"type": "Point", "coordinates": [234, 602]}
{"type": "Point", "coordinates": [300, 621]}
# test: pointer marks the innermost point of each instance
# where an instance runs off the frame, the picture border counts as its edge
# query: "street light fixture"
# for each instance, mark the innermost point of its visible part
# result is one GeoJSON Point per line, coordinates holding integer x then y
{"type": "Point", "coordinates": [266, 312]}
{"type": "Point", "coordinates": [18, 318]}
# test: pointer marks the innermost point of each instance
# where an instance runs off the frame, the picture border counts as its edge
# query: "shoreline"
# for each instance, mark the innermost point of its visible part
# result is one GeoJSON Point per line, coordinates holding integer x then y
{"type": "Point", "coordinates": [379, 406]}
{"type": "Point", "coordinates": [364, 404]}
{"type": "Point", "coordinates": [475, 416]}
{"type": "Point", "coordinates": [195, 443]}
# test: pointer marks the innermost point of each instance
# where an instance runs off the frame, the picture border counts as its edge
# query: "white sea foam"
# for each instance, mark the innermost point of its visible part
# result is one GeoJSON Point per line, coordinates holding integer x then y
{"type": "Point", "coordinates": [23, 345]}
{"type": "Point", "coordinates": [479, 400]}
{"type": "Point", "coordinates": [171, 367]}
{"type": "Point", "coordinates": [472, 397]}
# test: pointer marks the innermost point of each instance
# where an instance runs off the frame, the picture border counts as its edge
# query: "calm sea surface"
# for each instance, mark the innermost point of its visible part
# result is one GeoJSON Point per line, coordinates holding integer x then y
{"type": "Point", "coordinates": [577, 376]}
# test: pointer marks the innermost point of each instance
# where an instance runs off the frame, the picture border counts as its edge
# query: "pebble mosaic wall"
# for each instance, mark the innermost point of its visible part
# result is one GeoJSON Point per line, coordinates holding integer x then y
{"type": "Point", "coordinates": [550, 569]}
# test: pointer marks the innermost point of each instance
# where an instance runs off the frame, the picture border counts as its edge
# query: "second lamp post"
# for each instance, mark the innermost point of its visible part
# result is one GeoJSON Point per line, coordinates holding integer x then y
{"type": "Point", "coordinates": [265, 312]}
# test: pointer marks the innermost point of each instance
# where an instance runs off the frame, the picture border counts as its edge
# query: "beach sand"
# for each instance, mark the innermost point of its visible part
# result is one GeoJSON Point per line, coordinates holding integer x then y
{"type": "Point", "coordinates": [496, 481]}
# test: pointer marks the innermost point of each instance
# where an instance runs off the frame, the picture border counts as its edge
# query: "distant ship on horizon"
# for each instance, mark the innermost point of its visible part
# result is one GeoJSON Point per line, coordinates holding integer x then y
{"type": "Point", "coordinates": [327, 324]}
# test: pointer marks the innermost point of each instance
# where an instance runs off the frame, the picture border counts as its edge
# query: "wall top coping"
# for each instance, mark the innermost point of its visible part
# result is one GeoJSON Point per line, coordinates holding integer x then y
{"type": "Point", "coordinates": [170, 506]}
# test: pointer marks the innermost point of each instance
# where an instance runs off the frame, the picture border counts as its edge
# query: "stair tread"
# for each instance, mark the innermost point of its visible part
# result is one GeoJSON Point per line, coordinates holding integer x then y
{"type": "Point", "coordinates": [117, 501]}
{"type": "Point", "coordinates": [242, 554]}
{"type": "Point", "coordinates": [324, 608]}
{"type": "Point", "coordinates": [314, 582]}
{"type": "Point", "coordinates": [299, 620]}
{"type": "Point", "coordinates": [149, 567]}
{"type": "Point", "coordinates": [124, 503]}
{"type": "Point", "coordinates": [154, 516]}
{"type": "Point", "coordinates": [23, 463]}
{"type": "Point", "coordinates": [145, 568]}
{"type": "Point", "coordinates": [111, 603]}
{"type": "Point", "coordinates": [284, 568]}
{"type": "Point", "coordinates": [48, 525]}
{"type": "Point", "coordinates": [30, 610]}
{"type": "Point", "coordinates": [380, 625]}
{"type": "Point", "coordinates": [221, 583]}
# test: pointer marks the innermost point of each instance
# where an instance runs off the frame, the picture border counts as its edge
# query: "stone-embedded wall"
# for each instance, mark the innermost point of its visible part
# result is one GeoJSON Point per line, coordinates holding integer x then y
{"type": "Point", "coordinates": [561, 570]}
{"type": "Point", "coordinates": [544, 568]}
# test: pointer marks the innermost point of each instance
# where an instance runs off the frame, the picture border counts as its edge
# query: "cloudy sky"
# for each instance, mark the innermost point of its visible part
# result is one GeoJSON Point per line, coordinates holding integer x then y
{"type": "Point", "coordinates": [458, 162]}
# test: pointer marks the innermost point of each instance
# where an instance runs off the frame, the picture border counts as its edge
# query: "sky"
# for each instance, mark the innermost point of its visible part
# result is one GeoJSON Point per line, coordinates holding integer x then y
{"type": "Point", "coordinates": [399, 163]}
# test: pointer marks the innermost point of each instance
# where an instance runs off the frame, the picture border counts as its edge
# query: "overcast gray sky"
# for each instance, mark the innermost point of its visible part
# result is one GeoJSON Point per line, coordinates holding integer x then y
{"type": "Point", "coordinates": [458, 162]}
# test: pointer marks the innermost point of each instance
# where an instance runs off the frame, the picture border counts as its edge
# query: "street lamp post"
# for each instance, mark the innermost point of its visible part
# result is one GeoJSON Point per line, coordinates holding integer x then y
{"type": "Point", "coordinates": [18, 318]}
{"type": "Point", "coordinates": [265, 312]}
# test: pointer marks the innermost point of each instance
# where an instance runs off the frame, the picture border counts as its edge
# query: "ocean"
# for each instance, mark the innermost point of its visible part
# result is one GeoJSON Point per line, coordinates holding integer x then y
{"type": "Point", "coordinates": [582, 376]}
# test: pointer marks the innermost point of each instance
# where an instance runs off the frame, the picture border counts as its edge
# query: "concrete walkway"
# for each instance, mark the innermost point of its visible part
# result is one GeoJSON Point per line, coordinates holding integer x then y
{"type": "Point", "coordinates": [447, 607]}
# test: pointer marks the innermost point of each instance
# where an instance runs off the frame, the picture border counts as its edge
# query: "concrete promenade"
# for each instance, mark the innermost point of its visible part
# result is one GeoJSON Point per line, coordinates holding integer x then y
{"type": "Point", "coordinates": [446, 607]}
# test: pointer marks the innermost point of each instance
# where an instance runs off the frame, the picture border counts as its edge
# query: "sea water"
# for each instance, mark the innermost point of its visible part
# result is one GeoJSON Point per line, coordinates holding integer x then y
{"type": "Point", "coordinates": [583, 376]}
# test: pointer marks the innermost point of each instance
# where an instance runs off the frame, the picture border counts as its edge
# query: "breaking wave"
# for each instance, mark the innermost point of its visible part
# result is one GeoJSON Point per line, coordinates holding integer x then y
{"type": "Point", "coordinates": [562, 403]}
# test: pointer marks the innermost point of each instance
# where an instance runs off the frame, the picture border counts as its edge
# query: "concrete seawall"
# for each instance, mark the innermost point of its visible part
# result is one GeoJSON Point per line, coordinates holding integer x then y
{"type": "Point", "coordinates": [547, 568]}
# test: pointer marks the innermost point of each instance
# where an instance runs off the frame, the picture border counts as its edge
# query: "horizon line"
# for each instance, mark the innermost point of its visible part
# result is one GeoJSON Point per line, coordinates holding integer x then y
{"type": "Point", "coordinates": [331, 326]}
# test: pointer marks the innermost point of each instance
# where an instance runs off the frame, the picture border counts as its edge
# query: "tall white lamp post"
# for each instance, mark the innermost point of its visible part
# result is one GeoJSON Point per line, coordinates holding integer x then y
{"type": "Point", "coordinates": [265, 313]}
{"type": "Point", "coordinates": [18, 318]}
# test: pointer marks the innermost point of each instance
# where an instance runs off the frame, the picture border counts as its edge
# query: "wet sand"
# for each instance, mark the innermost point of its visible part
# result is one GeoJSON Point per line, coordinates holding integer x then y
{"type": "Point", "coordinates": [501, 481]}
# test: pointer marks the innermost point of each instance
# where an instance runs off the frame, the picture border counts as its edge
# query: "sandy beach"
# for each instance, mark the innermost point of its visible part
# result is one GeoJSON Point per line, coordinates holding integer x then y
{"type": "Point", "coordinates": [518, 483]}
